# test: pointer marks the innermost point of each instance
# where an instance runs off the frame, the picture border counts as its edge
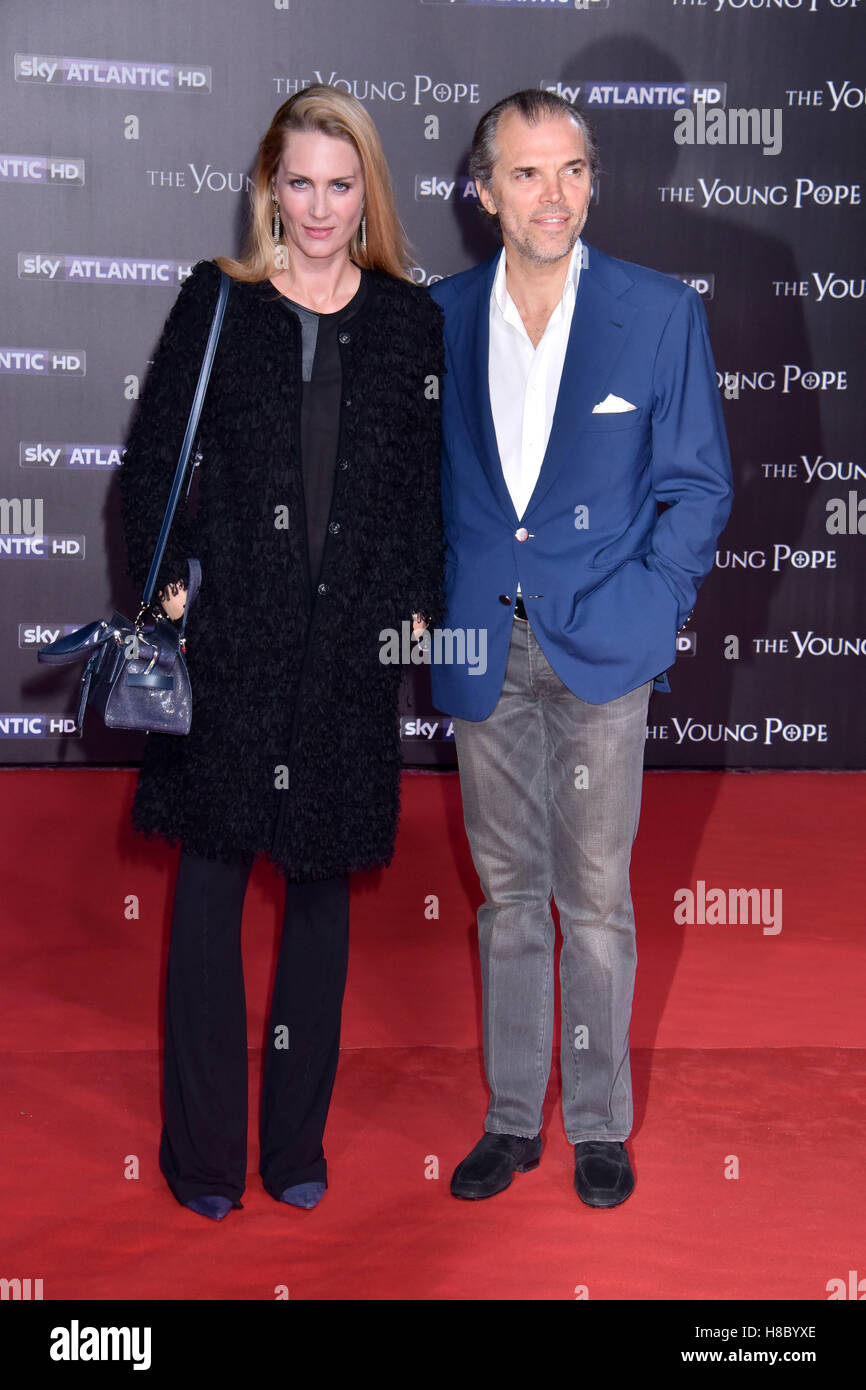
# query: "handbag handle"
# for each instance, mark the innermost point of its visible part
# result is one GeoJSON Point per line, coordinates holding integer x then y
{"type": "Point", "coordinates": [192, 589]}
{"type": "Point", "coordinates": [189, 436]}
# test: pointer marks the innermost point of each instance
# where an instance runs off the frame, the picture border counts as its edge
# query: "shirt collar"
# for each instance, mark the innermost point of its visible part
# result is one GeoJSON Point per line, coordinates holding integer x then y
{"type": "Point", "coordinates": [500, 293]}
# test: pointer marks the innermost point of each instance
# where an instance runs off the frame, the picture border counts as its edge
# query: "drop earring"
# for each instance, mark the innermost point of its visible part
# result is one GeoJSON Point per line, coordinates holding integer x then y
{"type": "Point", "coordinates": [363, 231]}
{"type": "Point", "coordinates": [281, 251]}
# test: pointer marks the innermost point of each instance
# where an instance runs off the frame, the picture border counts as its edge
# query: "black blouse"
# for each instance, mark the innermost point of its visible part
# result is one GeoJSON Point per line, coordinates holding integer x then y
{"type": "Point", "coordinates": [320, 414]}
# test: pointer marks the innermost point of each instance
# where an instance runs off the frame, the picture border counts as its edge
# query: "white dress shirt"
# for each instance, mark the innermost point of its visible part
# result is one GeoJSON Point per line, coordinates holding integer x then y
{"type": "Point", "coordinates": [524, 380]}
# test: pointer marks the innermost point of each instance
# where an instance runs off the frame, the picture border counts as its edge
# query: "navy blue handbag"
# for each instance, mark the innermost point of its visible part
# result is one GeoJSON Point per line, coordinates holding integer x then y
{"type": "Point", "coordinates": [136, 675]}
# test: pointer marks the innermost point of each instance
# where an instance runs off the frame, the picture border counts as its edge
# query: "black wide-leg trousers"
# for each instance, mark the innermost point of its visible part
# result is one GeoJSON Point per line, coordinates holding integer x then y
{"type": "Point", "coordinates": [203, 1148]}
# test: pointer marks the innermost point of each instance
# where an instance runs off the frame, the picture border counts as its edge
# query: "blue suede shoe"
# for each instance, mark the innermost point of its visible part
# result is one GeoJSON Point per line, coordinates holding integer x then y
{"type": "Point", "coordinates": [214, 1207]}
{"type": "Point", "coordinates": [306, 1194]}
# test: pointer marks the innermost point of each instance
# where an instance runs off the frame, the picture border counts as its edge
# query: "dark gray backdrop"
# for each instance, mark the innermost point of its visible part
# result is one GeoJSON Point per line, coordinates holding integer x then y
{"type": "Point", "coordinates": [130, 127]}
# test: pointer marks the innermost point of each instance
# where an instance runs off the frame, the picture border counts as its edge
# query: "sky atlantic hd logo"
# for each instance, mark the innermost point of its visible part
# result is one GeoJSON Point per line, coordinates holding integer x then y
{"type": "Point", "coordinates": [432, 186]}
{"type": "Point", "coordinates": [23, 547]}
{"type": "Point", "coordinates": [16, 725]}
{"type": "Point", "coordinates": [639, 95]}
{"type": "Point", "coordinates": [42, 168]}
{"type": "Point", "coordinates": [103, 270]}
{"type": "Point", "coordinates": [124, 73]}
{"type": "Point", "coordinates": [702, 281]}
{"type": "Point", "coordinates": [428, 727]}
{"type": "Point", "coordinates": [39, 634]}
{"type": "Point", "coordinates": [34, 453]}
{"type": "Point", "coordinates": [42, 361]}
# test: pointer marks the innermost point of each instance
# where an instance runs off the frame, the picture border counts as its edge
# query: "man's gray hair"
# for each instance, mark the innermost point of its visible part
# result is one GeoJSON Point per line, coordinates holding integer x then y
{"type": "Point", "coordinates": [534, 104]}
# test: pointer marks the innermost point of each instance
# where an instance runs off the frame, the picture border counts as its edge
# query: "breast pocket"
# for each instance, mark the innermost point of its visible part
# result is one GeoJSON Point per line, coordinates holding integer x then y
{"type": "Point", "coordinates": [608, 422]}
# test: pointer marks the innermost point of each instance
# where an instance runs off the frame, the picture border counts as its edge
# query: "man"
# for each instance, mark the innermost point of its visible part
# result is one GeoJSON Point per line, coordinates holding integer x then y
{"type": "Point", "coordinates": [579, 395]}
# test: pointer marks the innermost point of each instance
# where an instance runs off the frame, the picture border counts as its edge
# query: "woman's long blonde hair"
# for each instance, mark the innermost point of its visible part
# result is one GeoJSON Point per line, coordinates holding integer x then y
{"type": "Point", "coordinates": [333, 112]}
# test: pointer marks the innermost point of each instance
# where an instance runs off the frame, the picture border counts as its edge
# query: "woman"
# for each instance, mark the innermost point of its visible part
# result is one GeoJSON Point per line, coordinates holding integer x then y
{"type": "Point", "coordinates": [317, 524]}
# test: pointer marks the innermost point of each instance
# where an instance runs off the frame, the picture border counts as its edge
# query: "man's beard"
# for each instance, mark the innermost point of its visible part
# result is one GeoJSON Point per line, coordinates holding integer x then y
{"type": "Point", "coordinates": [538, 255]}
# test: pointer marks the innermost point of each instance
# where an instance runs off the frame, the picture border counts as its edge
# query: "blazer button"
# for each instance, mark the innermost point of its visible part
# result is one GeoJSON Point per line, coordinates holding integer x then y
{"type": "Point", "coordinates": [343, 464]}
{"type": "Point", "coordinates": [345, 337]}
{"type": "Point", "coordinates": [522, 534]}
{"type": "Point", "coordinates": [334, 527]}
{"type": "Point", "coordinates": [505, 598]}
{"type": "Point", "coordinates": [322, 589]}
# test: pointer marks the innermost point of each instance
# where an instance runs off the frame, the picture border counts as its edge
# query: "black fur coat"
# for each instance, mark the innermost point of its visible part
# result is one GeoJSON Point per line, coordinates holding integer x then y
{"type": "Point", "coordinates": [294, 747]}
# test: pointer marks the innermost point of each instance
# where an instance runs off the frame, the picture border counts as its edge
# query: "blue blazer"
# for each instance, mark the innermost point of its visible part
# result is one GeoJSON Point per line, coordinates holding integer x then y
{"type": "Point", "coordinates": [606, 577]}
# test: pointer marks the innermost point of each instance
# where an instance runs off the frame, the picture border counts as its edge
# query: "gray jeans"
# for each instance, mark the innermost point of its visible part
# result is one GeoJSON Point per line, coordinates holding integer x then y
{"type": "Point", "coordinates": [551, 791]}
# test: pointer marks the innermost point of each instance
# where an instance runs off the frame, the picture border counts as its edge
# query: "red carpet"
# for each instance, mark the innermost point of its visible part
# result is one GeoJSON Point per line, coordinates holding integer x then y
{"type": "Point", "coordinates": [747, 1050]}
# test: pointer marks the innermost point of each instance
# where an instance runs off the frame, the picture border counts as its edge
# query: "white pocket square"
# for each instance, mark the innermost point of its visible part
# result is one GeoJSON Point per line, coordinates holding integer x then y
{"type": "Point", "coordinates": [612, 405]}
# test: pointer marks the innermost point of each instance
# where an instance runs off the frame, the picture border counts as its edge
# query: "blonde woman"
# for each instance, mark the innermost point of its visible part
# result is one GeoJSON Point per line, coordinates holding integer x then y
{"type": "Point", "coordinates": [317, 522]}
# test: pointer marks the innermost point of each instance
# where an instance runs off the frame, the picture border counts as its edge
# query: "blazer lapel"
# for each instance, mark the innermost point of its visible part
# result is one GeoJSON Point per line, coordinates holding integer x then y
{"type": "Point", "coordinates": [470, 347]}
{"type": "Point", "coordinates": [599, 328]}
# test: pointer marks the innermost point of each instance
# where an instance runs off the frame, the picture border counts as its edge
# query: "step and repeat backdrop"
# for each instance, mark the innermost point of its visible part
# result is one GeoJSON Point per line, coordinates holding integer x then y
{"type": "Point", "coordinates": [731, 136]}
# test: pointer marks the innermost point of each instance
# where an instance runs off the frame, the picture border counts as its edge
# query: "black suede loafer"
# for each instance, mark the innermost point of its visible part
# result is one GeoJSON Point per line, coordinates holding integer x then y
{"type": "Point", "coordinates": [602, 1173]}
{"type": "Point", "coordinates": [491, 1165]}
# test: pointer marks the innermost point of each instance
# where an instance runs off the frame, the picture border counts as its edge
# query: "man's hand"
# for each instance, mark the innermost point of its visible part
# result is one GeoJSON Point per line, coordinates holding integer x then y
{"type": "Point", "coordinates": [173, 599]}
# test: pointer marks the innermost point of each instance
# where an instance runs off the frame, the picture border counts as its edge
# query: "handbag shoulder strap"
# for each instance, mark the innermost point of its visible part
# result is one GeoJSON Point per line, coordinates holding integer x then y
{"type": "Point", "coordinates": [189, 436]}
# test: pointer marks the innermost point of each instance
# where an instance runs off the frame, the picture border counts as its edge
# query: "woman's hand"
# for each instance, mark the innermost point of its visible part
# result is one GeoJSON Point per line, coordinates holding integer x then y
{"type": "Point", "coordinates": [419, 625]}
{"type": "Point", "coordinates": [174, 599]}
